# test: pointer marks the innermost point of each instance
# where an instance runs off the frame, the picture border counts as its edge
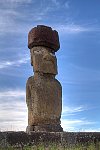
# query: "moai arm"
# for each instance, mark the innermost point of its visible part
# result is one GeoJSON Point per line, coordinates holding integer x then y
{"type": "Point", "coordinates": [59, 94]}
{"type": "Point", "coordinates": [28, 92]}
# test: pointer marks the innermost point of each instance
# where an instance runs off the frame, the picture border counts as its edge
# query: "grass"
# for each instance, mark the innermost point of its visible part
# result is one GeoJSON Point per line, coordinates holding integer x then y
{"type": "Point", "coordinates": [41, 146]}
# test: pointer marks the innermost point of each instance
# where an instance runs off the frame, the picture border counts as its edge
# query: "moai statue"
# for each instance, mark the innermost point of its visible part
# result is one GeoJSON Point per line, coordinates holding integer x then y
{"type": "Point", "coordinates": [43, 91]}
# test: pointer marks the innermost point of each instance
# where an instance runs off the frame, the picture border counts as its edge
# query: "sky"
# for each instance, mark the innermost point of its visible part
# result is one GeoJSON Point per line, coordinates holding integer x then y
{"type": "Point", "coordinates": [78, 25]}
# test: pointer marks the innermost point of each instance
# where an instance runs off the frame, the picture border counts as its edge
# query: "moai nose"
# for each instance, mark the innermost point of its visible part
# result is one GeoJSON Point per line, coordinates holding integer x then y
{"type": "Point", "coordinates": [49, 57]}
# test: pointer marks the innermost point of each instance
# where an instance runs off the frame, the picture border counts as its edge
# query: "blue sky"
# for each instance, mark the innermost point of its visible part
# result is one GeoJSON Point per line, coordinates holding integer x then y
{"type": "Point", "coordinates": [78, 25]}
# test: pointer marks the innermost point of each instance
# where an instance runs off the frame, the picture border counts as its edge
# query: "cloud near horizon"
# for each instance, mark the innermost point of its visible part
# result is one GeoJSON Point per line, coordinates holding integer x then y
{"type": "Point", "coordinates": [76, 125]}
{"type": "Point", "coordinates": [13, 113]}
{"type": "Point", "coordinates": [13, 110]}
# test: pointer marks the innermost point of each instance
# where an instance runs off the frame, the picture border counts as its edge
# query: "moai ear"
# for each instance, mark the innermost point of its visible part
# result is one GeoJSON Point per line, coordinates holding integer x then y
{"type": "Point", "coordinates": [36, 59]}
{"type": "Point", "coordinates": [33, 53]}
{"type": "Point", "coordinates": [31, 58]}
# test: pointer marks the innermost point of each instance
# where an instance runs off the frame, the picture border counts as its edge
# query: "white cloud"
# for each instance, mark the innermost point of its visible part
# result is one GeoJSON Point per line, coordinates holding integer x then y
{"type": "Point", "coordinates": [15, 1]}
{"type": "Point", "coordinates": [91, 130]}
{"type": "Point", "coordinates": [10, 93]}
{"type": "Point", "coordinates": [66, 110]}
{"type": "Point", "coordinates": [72, 28]}
{"type": "Point", "coordinates": [6, 64]}
{"type": "Point", "coordinates": [10, 20]}
{"type": "Point", "coordinates": [13, 110]}
{"type": "Point", "coordinates": [7, 21]}
{"type": "Point", "coordinates": [75, 124]}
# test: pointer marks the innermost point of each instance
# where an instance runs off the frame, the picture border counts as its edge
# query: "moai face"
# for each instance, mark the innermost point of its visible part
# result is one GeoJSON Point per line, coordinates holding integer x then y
{"type": "Point", "coordinates": [43, 60]}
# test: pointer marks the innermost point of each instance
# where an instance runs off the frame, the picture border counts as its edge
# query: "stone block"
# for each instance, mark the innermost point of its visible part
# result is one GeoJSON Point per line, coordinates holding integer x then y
{"type": "Point", "coordinates": [43, 36]}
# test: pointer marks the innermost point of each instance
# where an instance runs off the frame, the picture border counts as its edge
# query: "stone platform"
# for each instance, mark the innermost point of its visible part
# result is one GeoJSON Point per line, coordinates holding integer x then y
{"type": "Point", "coordinates": [22, 138]}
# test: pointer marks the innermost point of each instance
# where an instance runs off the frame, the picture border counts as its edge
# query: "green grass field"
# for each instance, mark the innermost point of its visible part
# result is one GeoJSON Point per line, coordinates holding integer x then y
{"type": "Point", "coordinates": [90, 146]}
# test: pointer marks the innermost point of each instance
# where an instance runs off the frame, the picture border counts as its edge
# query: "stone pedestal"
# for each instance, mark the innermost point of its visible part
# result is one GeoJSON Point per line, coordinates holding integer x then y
{"type": "Point", "coordinates": [66, 139]}
{"type": "Point", "coordinates": [44, 128]}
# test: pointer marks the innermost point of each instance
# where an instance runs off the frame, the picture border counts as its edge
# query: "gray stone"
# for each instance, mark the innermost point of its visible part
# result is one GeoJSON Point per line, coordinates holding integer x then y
{"type": "Point", "coordinates": [43, 91]}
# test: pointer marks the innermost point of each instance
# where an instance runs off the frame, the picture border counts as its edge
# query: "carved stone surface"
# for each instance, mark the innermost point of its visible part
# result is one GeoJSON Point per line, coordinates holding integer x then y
{"type": "Point", "coordinates": [43, 60]}
{"type": "Point", "coordinates": [43, 91]}
{"type": "Point", "coordinates": [20, 138]}
{"type": "Point", "coordinates": [43, 36]}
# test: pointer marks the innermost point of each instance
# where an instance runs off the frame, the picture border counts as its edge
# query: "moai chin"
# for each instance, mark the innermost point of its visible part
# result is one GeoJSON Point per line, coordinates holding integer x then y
{"type": "Point", "coordinates": [43, 91]}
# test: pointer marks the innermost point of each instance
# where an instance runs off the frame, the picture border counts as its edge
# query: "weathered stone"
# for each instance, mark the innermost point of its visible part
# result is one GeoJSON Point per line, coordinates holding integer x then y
{"type": "Point", "coordinates": [43, 60]}
{"type": "Point", "coordinates": [20, 139]}
{"type": "Point", "coordinates": [43, 36]}
{"type": "Point", "coordinates": [43, 91]}
{"type": "Point", "coordinates": [43, 100]}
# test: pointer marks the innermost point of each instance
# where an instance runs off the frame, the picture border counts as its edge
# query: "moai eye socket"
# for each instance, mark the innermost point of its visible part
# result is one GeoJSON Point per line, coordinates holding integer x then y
{"type": "Point", "coordinates": [52, 53]}
{"type": "Point", "coordinates": [37, 52]}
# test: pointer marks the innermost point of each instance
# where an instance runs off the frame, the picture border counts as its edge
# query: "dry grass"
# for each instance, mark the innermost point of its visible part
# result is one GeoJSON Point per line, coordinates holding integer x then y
{"type": "Point", "coordinates": [53, 146]}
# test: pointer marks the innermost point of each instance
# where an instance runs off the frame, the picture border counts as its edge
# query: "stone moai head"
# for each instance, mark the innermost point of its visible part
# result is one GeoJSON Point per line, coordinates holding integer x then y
{"type": "Point", "coordinates": [43, 42]}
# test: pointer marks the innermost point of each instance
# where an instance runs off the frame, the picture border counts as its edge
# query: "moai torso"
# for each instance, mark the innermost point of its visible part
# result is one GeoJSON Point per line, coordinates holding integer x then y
{"type": "Point", "coordinates": [43, 91]}
{"type": "Point", "coordinates": [44, 101]}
